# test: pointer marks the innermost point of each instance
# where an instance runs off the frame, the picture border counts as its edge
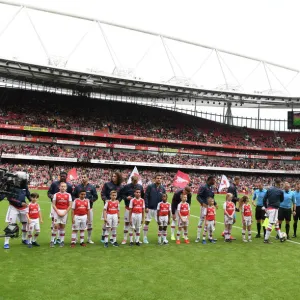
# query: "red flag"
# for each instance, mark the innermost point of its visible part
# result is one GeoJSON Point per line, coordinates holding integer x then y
{"type": "Point", "coordinates": [181, 179]}
{"type": "Point", "coordinates": [72, 175]}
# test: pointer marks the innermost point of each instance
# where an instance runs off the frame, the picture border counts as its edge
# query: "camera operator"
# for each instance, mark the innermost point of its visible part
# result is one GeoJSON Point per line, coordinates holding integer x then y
{"type": "Point", "coordinates": [53, 189]}
{"type": "Point", "coordinates": [17, 209]}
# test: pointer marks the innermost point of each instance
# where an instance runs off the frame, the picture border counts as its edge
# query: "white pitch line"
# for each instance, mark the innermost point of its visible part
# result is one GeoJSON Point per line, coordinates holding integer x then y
{"type": "Point", "coordinates": [242, 228]}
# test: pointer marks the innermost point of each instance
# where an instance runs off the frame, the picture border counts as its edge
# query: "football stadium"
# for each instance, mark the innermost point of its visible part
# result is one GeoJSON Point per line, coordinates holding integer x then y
{"type": "Point", "coordinates": [136, 164]}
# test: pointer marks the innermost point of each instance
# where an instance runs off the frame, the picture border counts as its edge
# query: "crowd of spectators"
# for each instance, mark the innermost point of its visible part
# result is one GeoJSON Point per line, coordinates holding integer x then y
{"type": "Point", "coordinates": [87, 153]}
{"type": "Point", "coordinates": [63, 112]}
{"type": "Point", "coordinates": [43, 175]}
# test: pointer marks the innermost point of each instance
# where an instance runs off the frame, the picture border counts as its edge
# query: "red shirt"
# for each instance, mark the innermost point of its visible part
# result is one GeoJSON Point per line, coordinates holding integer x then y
{"type": "Point", "coordinates": [184, 209]}
{"type": "Point", "coordinates": [81, 207]}
{"type": "Point", "coordinates": [247, 212]}
{"type": "Point", "coordinates": [62, 200]}
{"type": "Point", "coordinates": [164, 208]}
{"type": "Point", "coordinates": [230, 208]}
{"type": "Point", "coordinates": [137, 205]}
{"type": "Point", "coordinates": [211, 213]}
{"type": "Point", "coordinates": [112, 207]}
{"type": "Point", "coordinates": [34, 211]}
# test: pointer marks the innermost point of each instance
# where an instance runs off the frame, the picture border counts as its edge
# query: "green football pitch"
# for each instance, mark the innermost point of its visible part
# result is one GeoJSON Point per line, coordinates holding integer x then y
{"type": "Point", "coordinates": [214, 271]}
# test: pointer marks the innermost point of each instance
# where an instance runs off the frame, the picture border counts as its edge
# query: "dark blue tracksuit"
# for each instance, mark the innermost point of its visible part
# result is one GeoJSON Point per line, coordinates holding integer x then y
{"type": "Point", "coordinates": [107, 188]}
{"type": "Point", "coordinates": [54, 188]}
{"type": "Point", "coordinates": [273, 197]}
{"type": "Point", "coordinates": [177, 199]}
{"type": "Point", "coordinates": [17, 197]}
{"type": "Point", "coordinates": [153, 195]}
{"type": "Point", "coordinates": [128, 190]}
{"type": "Point", "coordinates": [90, 190]}
{"type": "Point", "coordinates": [205, 191]}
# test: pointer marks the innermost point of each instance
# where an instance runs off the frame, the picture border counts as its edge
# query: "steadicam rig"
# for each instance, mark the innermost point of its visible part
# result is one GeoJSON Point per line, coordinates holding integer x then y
{"type": "Point", "coordinates": [10, 181]}
{"type": "Point", "coordinates": [12, 231]}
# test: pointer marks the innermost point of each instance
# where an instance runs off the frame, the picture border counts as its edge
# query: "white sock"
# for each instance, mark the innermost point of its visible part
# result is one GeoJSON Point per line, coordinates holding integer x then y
{"type": "Point", "coordinates": [114, 235]}
{"type": "Point", "coordinates": [34, 238]}
{"type": "Point", "coordinates": [29, 237]}
{"type": "Point", "coordinates": [73, 239]}
{"type": "Point", "coordinates": [24, 231]}
{"type": "Point", "coordinates": [173, 225]}
{"type": "Point", "coordinates": [81, 236]}
{"type": "Point", "coordinates": [159, 236]}
{"type": "Point", "coordinates": [125, 232]}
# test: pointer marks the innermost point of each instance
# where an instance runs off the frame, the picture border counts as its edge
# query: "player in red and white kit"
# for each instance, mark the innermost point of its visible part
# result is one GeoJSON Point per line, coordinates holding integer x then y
{"type": "Point", "coordinates": [163, 219]}
{"type": "Point", "coordinates": [210, 221]}
{"type": "Point", "coordinates": [62, 203]}
{"type": "Point", "coordinates": [80, 217]}
{"type": "Point", "coordinates": [136, 216]}
{"type": "Point", "coordinates": [34, 217]}
{"type": "Point", "coordinates": [183, 210]}
{"type": "Point", "coordinates": [111, 215]}
{"type": "Point", "coordinates": [246, 218]}
{"type": "Point", "coordinates": [229, 210]}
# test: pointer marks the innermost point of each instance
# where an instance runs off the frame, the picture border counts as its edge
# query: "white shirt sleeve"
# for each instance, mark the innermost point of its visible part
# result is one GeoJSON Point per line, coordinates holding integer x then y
{"type": "Point", "coordinates": [89, 206]}
{"type": "Point", "coordinates": [170, 207]}
{"type": "Point", "coordinates": [189, 207]}
{"type": "Point", "coordinates": [130, 204]}
{"type": "Point", "coordinates": [224, 205]}
{"type": "Point", "coordinates": [158, 206]}
{"type": "Point", "coordinates": [70, 197]}
{"type": "Point", "coordinates": [73, 204]}
{"type": "Point", "coordinates": [105, 205]}
{"type": "Point", "coordinates": [178, 207]}
{"type": "Point", "coordinates": [143, 203]}
{"type": "Point", "coordinates": [54, 198]}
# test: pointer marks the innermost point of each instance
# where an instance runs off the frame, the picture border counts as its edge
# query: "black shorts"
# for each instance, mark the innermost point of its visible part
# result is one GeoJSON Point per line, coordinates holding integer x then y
{"type": "Point", "coordinates": [284, 214]}
{"type": "Point", "coordinates": [297, 217]}
{"type": "Point", "coordinates": [259, 213]}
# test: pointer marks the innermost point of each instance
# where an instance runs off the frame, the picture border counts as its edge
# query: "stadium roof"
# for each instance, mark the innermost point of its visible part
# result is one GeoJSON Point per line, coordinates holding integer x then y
{"type": "Point", "coordinates": [15, 74]}
{"type": "Point", "coordinates": [37, 62]}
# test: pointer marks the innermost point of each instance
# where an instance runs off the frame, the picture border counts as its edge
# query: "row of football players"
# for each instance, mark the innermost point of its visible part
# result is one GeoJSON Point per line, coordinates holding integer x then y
{"type": "Point", "coordinates": [135, 216]}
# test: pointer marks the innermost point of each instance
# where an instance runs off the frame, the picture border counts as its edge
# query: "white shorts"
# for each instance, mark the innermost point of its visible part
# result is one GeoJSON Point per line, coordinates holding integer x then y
{"type": "Point", "coordinates": [126, 216]}
{"type": "Point", "coordinates": [272, 215]}
{"type": "Point", "coordinates": [34, 225]}
{"type": "Point", "coordinates": [203, 211]}
{"type": "Point", "coordinates": [58, 219]}
{"type": "Point", "coordinates": [228, 221]}
{"type": "Point", "coordinates": [152, 213]}
{"type": "Point", "coordinates": [112, 221]}
{"type": "Point", "coordinates": [176, 216]}
{"type": "Point", "coordinates": [15, 215]}
{"type": "Point", "coordinates": [210, 226]}
{"type": "Point", "coordinates": [247, 220]}
{"type": "Point", "coordinates": [184, 222]}
{"type": "Point", "coordinates": [164, 220]}
{"type": "Point", "coordinates": [79, 222]}
{"type": "Point", "coordinates": [136, 221]}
